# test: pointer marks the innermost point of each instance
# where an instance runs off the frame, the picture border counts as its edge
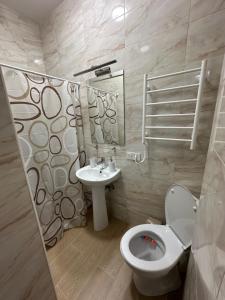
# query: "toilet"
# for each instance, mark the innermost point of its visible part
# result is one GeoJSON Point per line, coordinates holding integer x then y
{"type": "Point", "coordinates": [154, 251]}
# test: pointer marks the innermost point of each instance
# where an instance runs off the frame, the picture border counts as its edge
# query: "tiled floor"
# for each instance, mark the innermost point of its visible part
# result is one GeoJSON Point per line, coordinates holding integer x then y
{"type": "Point", "coordinates": [88, 265]}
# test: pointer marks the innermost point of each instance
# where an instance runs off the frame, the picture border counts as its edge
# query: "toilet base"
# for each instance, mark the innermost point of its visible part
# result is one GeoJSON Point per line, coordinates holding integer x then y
{"type": "Point", "coordinates": [157, 286]}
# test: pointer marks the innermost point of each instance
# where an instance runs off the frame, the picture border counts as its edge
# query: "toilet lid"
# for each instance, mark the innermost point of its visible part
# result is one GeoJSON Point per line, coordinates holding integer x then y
{"type": "Point", "coordinates": [180, 214]}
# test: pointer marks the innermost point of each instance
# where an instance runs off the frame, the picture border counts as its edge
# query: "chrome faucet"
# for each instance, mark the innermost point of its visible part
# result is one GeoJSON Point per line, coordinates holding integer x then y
{"type": "Point", "coordinates": [102, 163]}
{"type": "Point", "coordinates": [101, 160]}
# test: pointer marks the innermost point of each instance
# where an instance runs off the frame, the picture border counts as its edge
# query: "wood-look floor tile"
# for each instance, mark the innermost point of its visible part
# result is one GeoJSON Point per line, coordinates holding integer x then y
{"type": "Point", "coordinates": [111, 260]}
{"type": "Point", "coordinates": [67, 239]}
{"type": "Point", "coordinates": [62, 262]}
{"type": "Point", "coordinates": [60, 294]}
{"type": "Point", "coordinates": [97, 287]}
{"type": "Point", "coordinates": [97, 245]}
{"type": "Point", "coordinates": [79, 272]}
{"type": "Point", "coordinates": [87, 264]}
{"type": "Point", "coordinates": [91, 240]}
{"type": "Point", "coordinates": [122, 288]}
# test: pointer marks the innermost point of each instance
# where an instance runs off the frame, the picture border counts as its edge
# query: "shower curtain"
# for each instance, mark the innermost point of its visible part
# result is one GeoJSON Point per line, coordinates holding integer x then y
{"type": "Point", "coordinates": [102, 107]}
{"type": "Point", "coordinates": [48, 122]}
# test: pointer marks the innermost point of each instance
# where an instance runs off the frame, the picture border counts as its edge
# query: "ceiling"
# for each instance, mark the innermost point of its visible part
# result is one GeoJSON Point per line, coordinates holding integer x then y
{"type": "Point", "coordinates": [35, 9]}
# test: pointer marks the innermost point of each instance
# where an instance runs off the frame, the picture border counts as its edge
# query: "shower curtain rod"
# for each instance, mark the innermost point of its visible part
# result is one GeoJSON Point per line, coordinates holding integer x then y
{"type": "Point", "coordinates": [36, 73]}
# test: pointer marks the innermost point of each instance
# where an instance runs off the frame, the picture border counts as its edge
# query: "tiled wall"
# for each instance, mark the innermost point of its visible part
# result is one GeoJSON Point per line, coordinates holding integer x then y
{"type": "Point", "coordinates": [23, 258]}
{"type": "Point", "coordinates": [206, 273]}
{"type": "Point", "coordinates": [24, 272]}
{"type": "Point", "coordinates": [153, 36]}
{"type": "Point", "coordinates": [20, 42]}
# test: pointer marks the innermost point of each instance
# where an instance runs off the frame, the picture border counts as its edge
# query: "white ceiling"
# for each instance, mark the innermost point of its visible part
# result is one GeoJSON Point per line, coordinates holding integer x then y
{"type": "Point", "coordinates": [35, 9]}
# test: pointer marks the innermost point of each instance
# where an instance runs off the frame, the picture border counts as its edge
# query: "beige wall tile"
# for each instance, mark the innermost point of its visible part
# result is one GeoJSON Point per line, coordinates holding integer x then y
{"type": "Point", "coordinates": [207, 259]}
{"type": "Point", "coordinates": [202, 8]}
{"type": "Point", "coordinates": [205, 37]}
{"type": "Point", "coordinates": [154, 36]}
{"type": "Point", "coordinates": [20, 41]}
{"type": "Point", "coordinates": [154, 18]}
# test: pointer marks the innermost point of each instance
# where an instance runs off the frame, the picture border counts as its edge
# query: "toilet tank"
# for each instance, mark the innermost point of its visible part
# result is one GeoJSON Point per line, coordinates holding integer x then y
{"type": "Point", "coordinates": [180, 213]}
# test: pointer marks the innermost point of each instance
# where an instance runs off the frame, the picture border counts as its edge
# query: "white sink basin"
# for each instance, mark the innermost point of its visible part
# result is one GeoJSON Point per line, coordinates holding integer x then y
{"type": "Point", "coordinates": [98, 179]}
{"type": "Point", "coordinates": [95, 177]}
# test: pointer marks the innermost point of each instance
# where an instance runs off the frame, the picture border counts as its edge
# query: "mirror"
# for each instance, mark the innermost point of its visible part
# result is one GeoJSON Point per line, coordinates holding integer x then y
{"type": "Point", "coordinates": [106, 108]}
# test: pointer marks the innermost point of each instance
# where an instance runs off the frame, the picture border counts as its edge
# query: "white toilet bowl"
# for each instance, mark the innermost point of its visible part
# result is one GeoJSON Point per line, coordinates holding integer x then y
{"type": "Point", "coordinates": [153, 251]}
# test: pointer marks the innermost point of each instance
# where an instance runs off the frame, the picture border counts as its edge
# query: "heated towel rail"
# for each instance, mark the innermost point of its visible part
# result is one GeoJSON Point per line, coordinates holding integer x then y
{"type": "Point", "coordinates": [147, 92]}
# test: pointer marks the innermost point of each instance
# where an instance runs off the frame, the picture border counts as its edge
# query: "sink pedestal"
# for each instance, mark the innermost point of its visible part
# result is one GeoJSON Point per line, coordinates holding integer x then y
{"type": "Point", "coordinates": [97, 178]}
{"type": "Point", "coordinates": [100, 215]}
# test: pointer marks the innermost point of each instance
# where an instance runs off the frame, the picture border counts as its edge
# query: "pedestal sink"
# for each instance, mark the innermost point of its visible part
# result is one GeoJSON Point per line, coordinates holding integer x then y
{"type": "Point", "coordinates": [98, 179]}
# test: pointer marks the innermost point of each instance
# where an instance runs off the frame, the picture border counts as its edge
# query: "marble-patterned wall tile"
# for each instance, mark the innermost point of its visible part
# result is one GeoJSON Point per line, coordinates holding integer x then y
{"type": "Point", "coordinates": [104, 40]}
{"type": "Point", "coordinates": [202, 8]}
{"type": "Point", "coordinates": [50, 53]}
{"type": "Point", "coordinates": [150, 37]}
{"type": "Point", "coordinates": [205, 37]}
{"type": "Point", "coordinates": [208, 247]}
{"type": "Point", "coordinates": [20, 38]}
{"type": "Point", "coordinates": [132, 4]}
{"type": "Point", "coordinates": [157, 52]}
{"type": "Point", "coordinates": [154, 18]}
{"type": "Point", "coordinates": [24, 269]}
{"type": "Point", "coordinates": [100, 12]}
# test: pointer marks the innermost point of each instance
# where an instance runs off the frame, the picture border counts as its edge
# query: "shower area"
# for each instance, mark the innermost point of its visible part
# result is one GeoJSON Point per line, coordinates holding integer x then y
{"type": "Point", "coordinates": [47, 117]}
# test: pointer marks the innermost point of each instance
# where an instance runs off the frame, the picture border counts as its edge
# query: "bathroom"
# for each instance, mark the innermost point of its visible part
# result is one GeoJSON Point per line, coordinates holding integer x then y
{"type": "Point", "coordinates": [65, 236]}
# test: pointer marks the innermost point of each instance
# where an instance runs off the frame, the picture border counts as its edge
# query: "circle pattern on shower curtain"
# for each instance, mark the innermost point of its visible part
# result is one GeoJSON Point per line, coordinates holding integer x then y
{"type": "Point", "coordinates": [38, 134]}
{"type": "Point", "coordinates": [23, 111]}
{"type": "Point", "coordinates": [59, 124]}
{"type": "Point", "coordinates": [51, 102]}
{"type": "Point", "coordinates": [47, 124]}
{"type": "Point", "coordinates": [55, 144]}
{"type": "Point", "coordinates": [35, 95]}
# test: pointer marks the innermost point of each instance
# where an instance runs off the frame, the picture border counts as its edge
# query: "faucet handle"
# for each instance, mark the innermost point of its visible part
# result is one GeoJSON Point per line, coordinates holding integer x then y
{"type": "Point", "coordinates": [101, 160]}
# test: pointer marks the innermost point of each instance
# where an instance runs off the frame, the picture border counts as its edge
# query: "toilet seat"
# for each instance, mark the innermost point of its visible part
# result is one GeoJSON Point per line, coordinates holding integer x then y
{"type": "Point", "coordinates": [173, 248]}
